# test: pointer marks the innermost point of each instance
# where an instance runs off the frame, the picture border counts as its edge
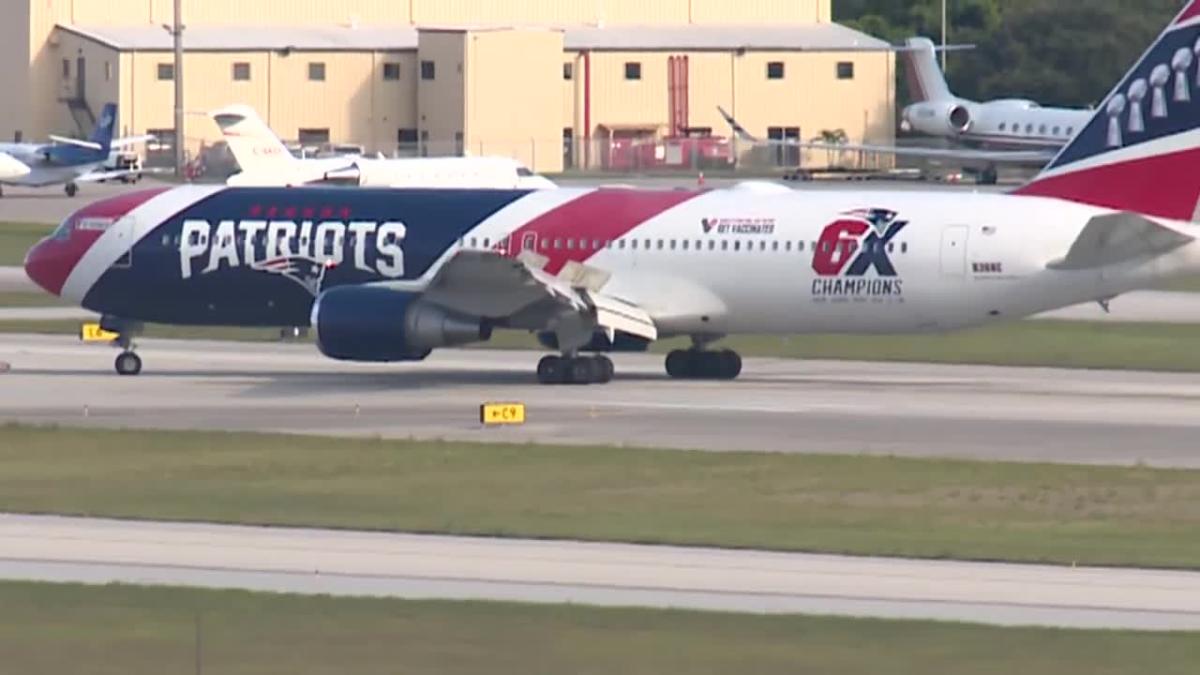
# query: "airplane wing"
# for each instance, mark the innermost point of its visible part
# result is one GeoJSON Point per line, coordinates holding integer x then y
{"type": "Point", "coordinates": [1119, 237]}
{"type": "Point", "coordinates": [90, 145]}
{"type": "Point", "coordinates": [953, 154]}
{"type": "Point", "coordinates": [485, 283]}
{"type": "Point", "coordinates": [132, 140]}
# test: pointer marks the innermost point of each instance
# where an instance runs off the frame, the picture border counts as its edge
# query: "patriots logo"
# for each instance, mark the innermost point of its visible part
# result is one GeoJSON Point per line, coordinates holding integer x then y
{"type": "Point", "coordinates": [305, 271]}
{"type": "Point", "coordinates": [880, 219]}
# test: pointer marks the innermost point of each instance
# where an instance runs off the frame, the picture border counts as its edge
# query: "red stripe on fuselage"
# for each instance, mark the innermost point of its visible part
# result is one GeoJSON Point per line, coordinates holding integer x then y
{"type": "Point", "coordinates": [51, 261]}
{"type": "Point", "coordinates": [1162, 185]}
{"type": "Point", "coordinates": [1191, 12]}
{"type": "Point", "coordinates": [603, 215]}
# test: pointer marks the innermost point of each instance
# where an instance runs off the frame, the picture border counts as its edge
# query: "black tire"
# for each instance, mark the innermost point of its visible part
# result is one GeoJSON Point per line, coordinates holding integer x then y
{"type": "Point", "coordinates": [730, 364]}
{"type": "Point", "coordinates": [550, 370]}
{"type": "Point", "coordinates": [679, 364]}
{"type": "Point", "coordinates": [71, 189]}
{"type": "Point", "coordinates": [607, 369]}
{"type": "Point", "coordinates": [582, 370]}
{"type": "Point", "coordinates": [128, 363]}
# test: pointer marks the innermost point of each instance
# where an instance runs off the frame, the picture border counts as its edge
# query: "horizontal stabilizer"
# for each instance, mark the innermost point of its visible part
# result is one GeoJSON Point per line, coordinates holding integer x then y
{"type": "Point", "coordinates": [90, 145]}
{"type": "Point", "coordinates": [133, 140]}
{"type": "Point", "coordinates": [1119, 237]}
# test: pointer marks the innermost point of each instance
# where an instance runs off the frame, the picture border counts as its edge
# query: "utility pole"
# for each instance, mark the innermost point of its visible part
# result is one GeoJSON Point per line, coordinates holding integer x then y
{"type": "Point", "coordinates": [943, 35]}
{"type": "Point", "coordinates": [177, 36]}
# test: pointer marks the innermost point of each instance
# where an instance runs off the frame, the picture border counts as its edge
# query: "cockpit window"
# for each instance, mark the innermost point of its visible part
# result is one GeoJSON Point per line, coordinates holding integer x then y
{"type": "Point", "coordinates": [522, 171]}
{"type": "Point", "coordinates": [63, 231]}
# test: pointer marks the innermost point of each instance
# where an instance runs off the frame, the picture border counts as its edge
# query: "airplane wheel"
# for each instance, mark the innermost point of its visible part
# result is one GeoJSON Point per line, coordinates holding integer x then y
{"type": "Point", "coordinates": [128, 363]}
{"type": "Point", "coordinates": [71, 189]}
{"type": "Point", "coordinates": [582, 371]}
{"type": "Point", "coordinates": [607, 370]}
{"type": "Point", "coordinates": [730, 364]}
{"type": "Point", "coordinates": [700, 365]}
{"type": "Point", "coordinates": [550, 370]}
{"type": "Point", "coordinates": [578, 370]}
{"type": "Point", "coordinates": [679, 363]}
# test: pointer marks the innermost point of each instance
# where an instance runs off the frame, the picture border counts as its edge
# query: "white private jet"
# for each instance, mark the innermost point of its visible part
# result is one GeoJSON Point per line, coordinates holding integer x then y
{"type": "Point", "coordinates": [1000, 123]}
{"type": "Point", "coordinates": [66, 161]}
{"type": "Point", "coordinates": [266, 161]}
{"type": "Point", "coordinates": [389, 275]}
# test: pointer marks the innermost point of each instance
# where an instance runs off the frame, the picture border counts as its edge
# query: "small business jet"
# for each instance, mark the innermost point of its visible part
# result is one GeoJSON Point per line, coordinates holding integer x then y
{"type": "Point", "coordinates": [265, 161]}
{"type": "Point", "coordinates": [389, 275]}
{"type": "Point", "coordinates": [1000, 123]}
{"type": "Point", "coordinates": [989, 134]}
{"type": "Point", "coordinates": [68, 161]}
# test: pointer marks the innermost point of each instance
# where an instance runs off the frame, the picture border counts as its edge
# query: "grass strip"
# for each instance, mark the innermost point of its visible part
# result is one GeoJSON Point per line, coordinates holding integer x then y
{"type": "Point", "coordinates": [123, 630]}
{"type": "Point", "coordinates": [862, 505]}
{"type": "Point", "coordinates": [16, 238]}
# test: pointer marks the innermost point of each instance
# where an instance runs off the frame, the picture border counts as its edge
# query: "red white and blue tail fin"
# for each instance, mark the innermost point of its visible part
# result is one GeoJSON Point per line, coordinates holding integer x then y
{"type": "Point", "coordinates": [1141, 150]}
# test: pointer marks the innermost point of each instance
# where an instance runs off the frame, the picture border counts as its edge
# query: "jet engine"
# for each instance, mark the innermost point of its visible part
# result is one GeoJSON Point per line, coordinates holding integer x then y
{"type": "Point", "coordinates": [372, 323]}
{"type": "Point", "coordinates": [938, 119]}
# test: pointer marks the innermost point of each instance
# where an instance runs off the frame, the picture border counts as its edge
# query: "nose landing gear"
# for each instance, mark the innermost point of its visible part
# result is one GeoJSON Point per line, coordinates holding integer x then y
{"type": "Point", "coordinates": [71, 189]}
{"type": "Point", "coordinates": [128, 363]}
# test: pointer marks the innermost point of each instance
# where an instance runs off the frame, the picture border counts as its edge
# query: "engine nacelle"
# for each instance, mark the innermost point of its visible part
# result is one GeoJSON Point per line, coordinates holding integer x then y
{"type": "Point", "coordinates": [938, 119]}
{"type": "Point", "coordinates": [371, 323]}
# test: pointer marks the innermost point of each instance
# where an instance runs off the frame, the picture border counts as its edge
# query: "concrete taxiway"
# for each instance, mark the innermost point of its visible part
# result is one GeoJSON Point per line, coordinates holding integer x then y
{"type": "Point", "coordinates": [1024, 414]}
{"type": "Point", "coordinates": [49, 548]}
{"type": "Point", "coordinates": [1142, 306]}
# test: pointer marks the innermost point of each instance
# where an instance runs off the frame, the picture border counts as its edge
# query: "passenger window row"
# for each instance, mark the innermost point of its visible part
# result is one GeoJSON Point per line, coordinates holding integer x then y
{"type": "Point", "coordinates": [634, 244]}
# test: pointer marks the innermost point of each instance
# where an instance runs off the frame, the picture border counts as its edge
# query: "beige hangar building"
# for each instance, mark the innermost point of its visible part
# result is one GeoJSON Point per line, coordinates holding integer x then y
{"type": "Point", "coordinates": [559, 84]}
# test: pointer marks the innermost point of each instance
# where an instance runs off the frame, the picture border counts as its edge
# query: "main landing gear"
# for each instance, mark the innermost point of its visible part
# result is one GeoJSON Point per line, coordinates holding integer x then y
{"type": "Point", "coordinates": [699, 364]}
{"type": "Point", "coordinates": [71, 189]}
{"type": "Point", "coordinates": [575, 370]}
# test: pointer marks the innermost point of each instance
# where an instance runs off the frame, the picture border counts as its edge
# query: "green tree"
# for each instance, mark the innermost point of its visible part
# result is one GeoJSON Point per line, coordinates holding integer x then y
{"type": "Point", "coordinates": [1056, 52]}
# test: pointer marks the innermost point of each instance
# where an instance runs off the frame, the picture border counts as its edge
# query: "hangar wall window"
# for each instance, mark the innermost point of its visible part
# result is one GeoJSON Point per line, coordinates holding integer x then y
{"type": "Point", "coordinates": [66, 69]}
{"type": "Point", "coordinates": [241, 71]}
{"type": "Point", "coordinates": [845, 70]}
{"type": "Point", "coordinates": [108, 71]}
{"type": "Point", "coordinates": [428, 71]}
{"type": "Point", "coordinates": [166, 71]}
{"type": "Point", "coordinates": [407, 141]}
{"type": "Point", "coordinates": [633, 70]}
{"type": "Point", "coordinates": [775, 70]}
{"type": "Point", "coordinates": [313, 136]}
{"type": "Point", "coordinates": [391, 71]}
{"type": "Point", "coordinates": [316, 71]}
{"type": "Point", "coordinates": [568, 70]}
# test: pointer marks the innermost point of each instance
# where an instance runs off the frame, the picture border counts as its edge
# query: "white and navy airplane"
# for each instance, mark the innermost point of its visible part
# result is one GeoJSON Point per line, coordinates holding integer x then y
{"type": "Point", "coordinates": [265, 161]}
{"type": "Point", "coordinates": [388, 275]}
{"type": "Point", "coordinates": [69, 161]}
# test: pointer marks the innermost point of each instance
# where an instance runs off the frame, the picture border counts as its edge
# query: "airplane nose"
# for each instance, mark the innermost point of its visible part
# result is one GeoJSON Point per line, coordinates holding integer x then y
{"type": "Point", "coordinates": [52, 260]}
{"type": "Point", "coordinates": [11, 167]}
{"type": "Point", "coordinates": [48, 265]}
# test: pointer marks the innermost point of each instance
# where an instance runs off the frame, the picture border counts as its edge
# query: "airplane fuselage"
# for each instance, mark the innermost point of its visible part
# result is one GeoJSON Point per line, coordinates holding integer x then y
{"type": "Point", "coordinates": [707, 262]}
{"type": "Point", "coordinates": [1002, 124]}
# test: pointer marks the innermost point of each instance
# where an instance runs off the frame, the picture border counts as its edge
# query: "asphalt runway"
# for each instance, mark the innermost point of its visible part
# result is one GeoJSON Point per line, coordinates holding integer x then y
{"type": "Point", "coordinates": [341, 562]}
{"type": "Point", "coordinates": [1021, 414]}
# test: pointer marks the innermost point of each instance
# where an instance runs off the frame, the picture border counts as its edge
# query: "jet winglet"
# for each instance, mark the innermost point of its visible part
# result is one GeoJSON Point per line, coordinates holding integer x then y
{"type": "Point", "coordinates": [1116, 238]}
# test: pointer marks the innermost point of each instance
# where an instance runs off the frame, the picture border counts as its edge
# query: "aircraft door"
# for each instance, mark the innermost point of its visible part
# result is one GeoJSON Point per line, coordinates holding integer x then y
{"type": "Point", "coordinates": [123, 230]}
{"type": "Point", "coordinates": [954, 251]}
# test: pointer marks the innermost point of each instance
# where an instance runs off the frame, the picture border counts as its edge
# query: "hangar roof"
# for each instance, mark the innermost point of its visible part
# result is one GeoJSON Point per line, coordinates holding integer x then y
{"type": "Point", "coordinates": [805, 37]}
